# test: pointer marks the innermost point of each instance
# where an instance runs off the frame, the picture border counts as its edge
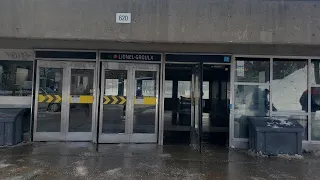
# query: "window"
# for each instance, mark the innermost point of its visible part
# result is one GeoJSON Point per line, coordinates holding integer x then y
{"type": "Point", "coordinates": [168, 89]}
{"type": "Point", "coordinates": [252, 70]}
{"type": "Point", "coordinates": [315, 100]}
{"type": "Point", "coordinates": [206, 89]}
{"type": "Point", "coordinates": [249, 101]}
{"type": "Point", "coordinates": [288, 90]}
{"type": "Point", "coordinates": [184, 89]}
{"type": "Point", "coordinates": [252, 89]}
{"type": "Point", "coordinates": [16, 78]}
{"type": "Point", "coordinates": [289, 83]}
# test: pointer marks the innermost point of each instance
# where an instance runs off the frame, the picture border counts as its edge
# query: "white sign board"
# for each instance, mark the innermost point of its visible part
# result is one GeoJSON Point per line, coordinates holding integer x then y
{"type": "Point", "coordinates": [123, 18]}
{"type": "Point", "coordinates": [75, 99]}
{"type": "Point", "coordinates": [139, 100]}
{"type": "Point", "coordinates": [240, 68]}
{"type": "Point", "coordinates": [17, 54]}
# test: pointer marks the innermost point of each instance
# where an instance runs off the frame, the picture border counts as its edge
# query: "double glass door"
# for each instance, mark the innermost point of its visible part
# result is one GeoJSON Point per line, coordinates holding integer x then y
{"type": "Point", "coordinates": [128, 103]}
{"type": "Point", "coordinates": [65, 101]}
{"type": "Point", "coordinates": [196, 106]}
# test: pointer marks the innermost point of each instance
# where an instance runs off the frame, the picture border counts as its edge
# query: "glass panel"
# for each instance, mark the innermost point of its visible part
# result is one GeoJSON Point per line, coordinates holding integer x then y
{"type": "Point", "coordinates": [252, 70]}
{"type": "Point", "coordinates": [315, 71]}
{"type": "Point", "coordinates": [49, 100]}
{"type": "Point", "coordinates": [168, 89]}
{"type": "Point", "coordinates": [81, 92]}
{"type": "Point", "coordinates": [184, 89]}
{"type": "Point", "coordinates": [16, 78]}
{"type": "Point", "coordinates": [289, 85]}
{"type": "Point", "coordinates": [249, 101]}
{"type": "Point", "coordinates": [144, 116]}
{"type": "Point", "coordinates": [206, 89]}
{"type": "Point", "coordinates": [315, 113]}
{"type": "Point", "coordinates": [114, 113]}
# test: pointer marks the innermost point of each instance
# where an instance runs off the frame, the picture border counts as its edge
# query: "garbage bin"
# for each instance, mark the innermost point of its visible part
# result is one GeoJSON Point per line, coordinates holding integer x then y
{"type": "Point", "coordinates": [273, 136]}
{"type": "Point", "coordinates": [11, 126]}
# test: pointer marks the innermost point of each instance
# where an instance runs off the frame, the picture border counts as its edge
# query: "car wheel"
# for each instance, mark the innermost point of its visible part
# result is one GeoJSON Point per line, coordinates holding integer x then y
{"type": "Point", "coordinates": [54, 108]}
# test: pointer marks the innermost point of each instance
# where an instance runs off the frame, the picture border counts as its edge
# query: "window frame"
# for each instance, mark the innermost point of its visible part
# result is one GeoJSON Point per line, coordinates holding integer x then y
{"type": "Point", "coordinates": [234, 83]}
{"type": "Point", "coordinates": [19, 101]}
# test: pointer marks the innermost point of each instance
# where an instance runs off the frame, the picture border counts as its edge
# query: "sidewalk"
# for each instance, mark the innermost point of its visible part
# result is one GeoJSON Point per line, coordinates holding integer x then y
{"type": "Point", "coordinates": [58, 161]}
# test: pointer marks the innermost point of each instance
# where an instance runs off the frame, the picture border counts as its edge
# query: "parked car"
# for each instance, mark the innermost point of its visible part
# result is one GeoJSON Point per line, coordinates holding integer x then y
{"type": "Point", "coordinates": [52, 107]}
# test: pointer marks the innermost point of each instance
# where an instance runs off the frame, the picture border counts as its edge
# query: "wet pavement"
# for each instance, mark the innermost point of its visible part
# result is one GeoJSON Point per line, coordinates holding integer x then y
{"type": "Point", "coordinates": [146, 162]}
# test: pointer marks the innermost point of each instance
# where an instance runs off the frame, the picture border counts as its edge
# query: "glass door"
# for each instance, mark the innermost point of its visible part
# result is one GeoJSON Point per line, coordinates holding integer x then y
{"type": "Point", "coordinates": [128, 103]}
{"type": "Point", "coordinates": [64, 100]}
{"type": "Point", "coordinates": [145, 109]}
{"type": "Point", "coordinates": [196, 109]}
{"type": "Point", "coordinates": [80, 109]}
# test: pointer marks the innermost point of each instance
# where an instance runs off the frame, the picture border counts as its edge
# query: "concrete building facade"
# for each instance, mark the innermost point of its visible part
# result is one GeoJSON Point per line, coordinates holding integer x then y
{"type": "Point", "coordinates": [267, 44]}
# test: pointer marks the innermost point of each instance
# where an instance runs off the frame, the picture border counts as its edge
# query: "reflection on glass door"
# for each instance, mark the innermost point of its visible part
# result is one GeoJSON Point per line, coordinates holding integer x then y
{"type": "Point", "coordinates": [114, 113]}
{"type": "Point", "coordinates": [80, 107]}
{"type": "Point", "coordinates": [145, 103]}
{"type": "Point", "coordinates": [64, 101]}
{"type": "Point", "coordinates": [128, 103]}
{"type": "Point", "coordinates": [49, 111]}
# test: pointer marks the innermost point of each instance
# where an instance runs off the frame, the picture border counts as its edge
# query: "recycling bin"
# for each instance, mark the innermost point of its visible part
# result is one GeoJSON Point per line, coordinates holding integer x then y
{"type": "Point", "coordinates": [11, 131]}
{"type": "Point", "coordinates": [275, 135]}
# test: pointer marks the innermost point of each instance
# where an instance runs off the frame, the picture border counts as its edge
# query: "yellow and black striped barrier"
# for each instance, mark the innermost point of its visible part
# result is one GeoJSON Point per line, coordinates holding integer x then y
{"type": "Point", "coordinates": [88, 99]}
{"type": "Point", "coordinates": [49, 98]}
{"type": "Point", "coordinates": [74, 99]}
{"type": "Point", "coordinates": [114, 100]}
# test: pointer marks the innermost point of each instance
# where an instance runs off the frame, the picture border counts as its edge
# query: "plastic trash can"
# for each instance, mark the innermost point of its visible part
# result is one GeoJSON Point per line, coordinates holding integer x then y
{"type": "Point", "coordinates": [273, 136]}
{"type": "Point", "coordinates": [11, 132]}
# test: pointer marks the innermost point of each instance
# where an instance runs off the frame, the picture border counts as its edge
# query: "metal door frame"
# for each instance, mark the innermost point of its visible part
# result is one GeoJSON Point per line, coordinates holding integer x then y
{"type": "Point", "coordinates": [63, 135]}
{"type": "Point", "coordinates": [128, 136]}
{"type": "Point", "coordinates": [146, 137]}
{"type": "Point", "coordinates": [81, 136]}
{"type": "Point", "coordinates": [113, 137]}
{"type": "Point", "coordinates": [197, 107]}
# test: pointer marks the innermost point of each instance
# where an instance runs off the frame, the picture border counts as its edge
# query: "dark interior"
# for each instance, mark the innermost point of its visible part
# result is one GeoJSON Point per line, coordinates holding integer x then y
{"type": "Point", "coordinates": [215, 126]}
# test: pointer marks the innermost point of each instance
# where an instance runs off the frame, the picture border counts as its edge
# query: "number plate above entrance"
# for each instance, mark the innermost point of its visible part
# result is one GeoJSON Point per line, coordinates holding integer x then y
{"type": "Point", "coordinates": [123, 18]}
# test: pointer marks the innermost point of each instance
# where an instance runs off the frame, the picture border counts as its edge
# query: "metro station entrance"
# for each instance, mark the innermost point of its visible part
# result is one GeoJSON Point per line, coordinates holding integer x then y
{"type": "Point", "coordinates": [196, 104]}
{"type": "Point", "coordinates": [129, 103]}
{"type": "Point", "coordinates": [64, 103]}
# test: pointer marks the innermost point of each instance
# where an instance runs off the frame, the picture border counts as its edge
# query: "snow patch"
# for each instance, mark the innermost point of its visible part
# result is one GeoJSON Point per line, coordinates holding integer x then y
{"type": "Point", "coordinates": [287, 156]}
{"type": "Point", "coordinates": [120, 145]}
{"type": "Point", "coordinates": [282, 121]}
{"type": "Point", "coordinates": [4, 165]}
{"type": "Point", "coordinates": [81, 171]}
{"type": "Point", "coordinates": [113, 171]}
{"type": "Point", "coordinates": [165, 155]}
{"type": "Point", "coordinates": [253, 153]}
{"type": "Point", "coordinates": [279, 122]}
{"type": "Point", "coordinates": [257, 178]}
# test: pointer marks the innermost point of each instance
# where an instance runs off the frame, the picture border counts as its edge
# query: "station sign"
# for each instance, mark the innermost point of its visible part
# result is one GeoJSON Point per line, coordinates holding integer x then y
{"type": "Point", "coordinates": [131, 56]}
{"type": "Point", "coordinates": [198, 58]}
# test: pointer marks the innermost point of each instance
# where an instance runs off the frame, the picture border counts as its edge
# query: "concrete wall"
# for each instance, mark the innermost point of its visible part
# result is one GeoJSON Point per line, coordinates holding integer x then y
{"type": "Point", "coordinates": [166, 21]}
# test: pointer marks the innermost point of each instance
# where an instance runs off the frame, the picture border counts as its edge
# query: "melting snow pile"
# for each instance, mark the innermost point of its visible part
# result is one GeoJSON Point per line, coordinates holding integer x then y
{"type": "Point", "coordinates": [287, 156]}
{"type": "Point", "coordinates": [279, 122]}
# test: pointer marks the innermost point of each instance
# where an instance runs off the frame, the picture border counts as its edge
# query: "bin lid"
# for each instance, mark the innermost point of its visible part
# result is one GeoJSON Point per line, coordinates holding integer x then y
{"type": "Point", "coordinates": [8, 115]}
{"type": "Point", "coordinates": [275, 124]}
